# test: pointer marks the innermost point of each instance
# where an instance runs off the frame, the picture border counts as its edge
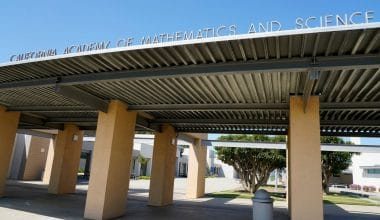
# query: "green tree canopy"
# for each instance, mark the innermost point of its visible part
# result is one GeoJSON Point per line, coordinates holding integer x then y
{"type": "Point", "coordinates": [253, 165]}
{"type": "Point", "coordinates": [333, 162]}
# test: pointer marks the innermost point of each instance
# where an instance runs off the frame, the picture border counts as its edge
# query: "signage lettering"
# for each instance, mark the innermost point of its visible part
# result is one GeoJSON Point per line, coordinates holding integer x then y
{"type": "Point", "coordinates": [222, 30]}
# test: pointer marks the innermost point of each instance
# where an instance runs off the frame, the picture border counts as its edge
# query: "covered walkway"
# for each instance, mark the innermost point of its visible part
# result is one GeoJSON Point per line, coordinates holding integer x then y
{"type": "Point", "coordinates": [300, 83]}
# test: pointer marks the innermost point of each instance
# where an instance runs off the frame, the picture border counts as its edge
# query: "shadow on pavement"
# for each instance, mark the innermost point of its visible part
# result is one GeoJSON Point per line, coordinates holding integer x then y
{"type": "Point", "coordinates": [336, 212]}
{"type": "Point", "coordinates": [35, 200]}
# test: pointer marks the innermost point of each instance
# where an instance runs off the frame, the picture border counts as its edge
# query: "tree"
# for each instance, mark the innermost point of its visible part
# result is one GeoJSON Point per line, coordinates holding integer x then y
{"type": "Point", "coordinates": [253, 165]}
{"type": "Point", "coordinates": [143, 161]}
{"type": "Point", "coordinates": [333, 162]}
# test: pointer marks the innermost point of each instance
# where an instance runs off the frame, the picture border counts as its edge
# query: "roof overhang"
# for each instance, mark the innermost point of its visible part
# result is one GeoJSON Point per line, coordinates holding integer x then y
{"type": "Point", "coordinates": [230, 84]}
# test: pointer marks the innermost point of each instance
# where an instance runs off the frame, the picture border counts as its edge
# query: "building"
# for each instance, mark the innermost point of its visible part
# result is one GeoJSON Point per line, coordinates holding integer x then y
{"type": "Point", "coordinates": [142, 149]}
{"type": "Point", "coordinates": [30, 157]}
{"type": "Point", "coordinates": [365, 168]}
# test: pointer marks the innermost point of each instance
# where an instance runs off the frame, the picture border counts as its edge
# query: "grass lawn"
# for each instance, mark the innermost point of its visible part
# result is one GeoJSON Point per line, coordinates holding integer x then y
{"type": "Point", "coordinates": [348, 200]}
{"type": "Point", "coordinates": [329, 199]}
{"type": "Point", "coordinates": [238, 194]}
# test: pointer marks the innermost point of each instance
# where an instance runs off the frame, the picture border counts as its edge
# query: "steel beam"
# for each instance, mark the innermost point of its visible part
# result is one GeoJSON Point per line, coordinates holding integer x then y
{"type": "Point", "coordinates": [364, 106]}
{"type": "Point", "coordinates": [222, 121]}
{"type": "Point", "coordinates": [271, 132]}
{"type": "Point", "coordinates": [92, 122]}
{"type": "Point", "coordinates": [350, 134]}
{"type": "Point", "coordinates": [81, 96]}
{"type": "Point", "coordinates": [354, 106]}
{"type": "Point", "coordinates": [367, 123]}
{"type": "Point", "coordinates": [261, 66]}
{"type": "Point", "coordinates": [209, 107]}
{"type": "Point", "coordinates": [35, 133]}
{"type": "Point", "coordinates": [51, 109]}
{"type": "Point", "coordinates": [232, 131]}
{"type": "Point", "coordinates": [72, 120]}
{"type": "Point", "coordinates": [311, 79]}
{"type": "Point", "coordinates": [30, 121]}
{"type": "Point", "coordinates": [331, 106]}
{"type": "Point", "coordinates": [282, 146]}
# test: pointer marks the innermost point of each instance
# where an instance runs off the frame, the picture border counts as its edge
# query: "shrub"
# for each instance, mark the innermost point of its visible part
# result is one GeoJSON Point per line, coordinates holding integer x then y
{"type": "Point", "coordinates": [369, 188]}
{"type": "Point", "coordinates": [355, 187]}
{"type": "Point", "coordinates": [143, 177]}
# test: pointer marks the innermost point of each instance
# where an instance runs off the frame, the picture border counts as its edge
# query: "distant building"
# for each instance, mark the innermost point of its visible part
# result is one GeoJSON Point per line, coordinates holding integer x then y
{"type": "Point", "coordinates": [140, 149]}
{"type": "Point", "coordinates": [217, 168]}
{"type": "Point", "coordinates": [30, 156]}
{"type": "Point", "coordinates": [366, 168]}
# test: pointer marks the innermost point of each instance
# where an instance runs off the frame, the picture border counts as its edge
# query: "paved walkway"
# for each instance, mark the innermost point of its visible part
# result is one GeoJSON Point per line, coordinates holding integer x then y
{"type": "Point", "coordinates": [31, 201]}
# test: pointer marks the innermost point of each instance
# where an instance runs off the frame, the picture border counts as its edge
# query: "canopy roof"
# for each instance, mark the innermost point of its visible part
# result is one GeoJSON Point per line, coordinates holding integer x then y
{"type": "Point", "coordinates": [230, 84]}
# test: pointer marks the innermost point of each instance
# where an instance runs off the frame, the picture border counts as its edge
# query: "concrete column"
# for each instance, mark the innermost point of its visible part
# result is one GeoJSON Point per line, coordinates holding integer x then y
{"type": "Point", "coordinates": [110, 168]}
{"type": "Point", "coordinates": [49, 162]}
{"type": "Point", "coordinates": [197, 170]}
{"type": "Point", "coordinates": [36, 158]}
{"type": "Point", "coordinates": [87, 165]}
{"type": "Point", "coordinates": [64, 171]}
{"type": "Point", "coordinates": [163, 167]}
{"type": "Point", "coordinates": [8, 127]}
{"type": "Point", "coordinates": [304, 160]}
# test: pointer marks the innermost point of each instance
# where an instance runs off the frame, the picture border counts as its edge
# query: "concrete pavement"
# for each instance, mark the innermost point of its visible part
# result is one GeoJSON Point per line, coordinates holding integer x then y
{"type": "Point", "coordinates": [31, 201]}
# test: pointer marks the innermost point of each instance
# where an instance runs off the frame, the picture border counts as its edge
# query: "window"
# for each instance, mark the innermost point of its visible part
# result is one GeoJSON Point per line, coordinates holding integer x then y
{"type": "Point", "coordinates": [373, 171]}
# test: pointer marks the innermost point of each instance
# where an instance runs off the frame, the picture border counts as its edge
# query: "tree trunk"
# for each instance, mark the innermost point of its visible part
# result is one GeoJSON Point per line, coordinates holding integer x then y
{"type": "Point", "coordinates": [253, 182]}
{"type": "Point", "coordinates": [325, 181]}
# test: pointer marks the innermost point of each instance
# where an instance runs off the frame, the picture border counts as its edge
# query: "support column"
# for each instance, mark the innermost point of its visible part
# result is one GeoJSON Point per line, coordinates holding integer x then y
{"type": "Point", "coordinates": [197, 170]}
{"type": "Point", "coordinates": [37, 151]}
{"type": "Point", "coordinates": [110, 168]}
{"type": "Point", "coordinates": [64, 171]}
{"type": "Point", "coordinates": [8, 127]}
{"type": "Point", "coordinates": [163, 167]}
{"type": "Point", "coordinates": [49, 162]}
{"type": "Point", "coordinates": [304, 160]}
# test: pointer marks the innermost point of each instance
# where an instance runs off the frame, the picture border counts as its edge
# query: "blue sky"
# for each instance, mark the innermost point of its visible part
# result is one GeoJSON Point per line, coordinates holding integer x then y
{"type": "Point", "coordinates": [43, 24]}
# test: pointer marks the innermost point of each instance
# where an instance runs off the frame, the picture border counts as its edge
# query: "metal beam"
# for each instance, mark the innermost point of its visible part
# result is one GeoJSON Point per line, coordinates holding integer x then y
{"type": "Point", "coordinates": [366, 123]}
{"type": "Point", "coordinates": [72, 120]}
{"type": "Point", "coordinates": [222, 121]}
{"type": "Point", "coordinates": [231, 131]}
{"type": "Point", "coordinates": [354, 106]}
{"type": "Point", "coordinates": [81, 96]}
{"type": "Point", "coordinates": [364, 106]}
{"type": "Point", "coordinates": [311, 79]}
{"type": "Point", "coordinates": [51, 109]}
{"type": "Point", "coordinates": [350, 134]}
{"type": "Point", "coordinates": [145, 125]}
{"type": "Point", "coordinates": [271, 132]}
{"type": "Point", "coordinates": [35, 133]}
{"type": "Point", "coordinates": [30, 121]}
{"type": "Point", "coordinates": [209, 107]}
{"type": "Point", "coordinates": [92, 122]}
{"type": "Point", "coordinates": [282, 146]}
{"type": "Point", "coordinates": [331, 106]}
{"type": "Point", "coordinates": [272, 65]}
